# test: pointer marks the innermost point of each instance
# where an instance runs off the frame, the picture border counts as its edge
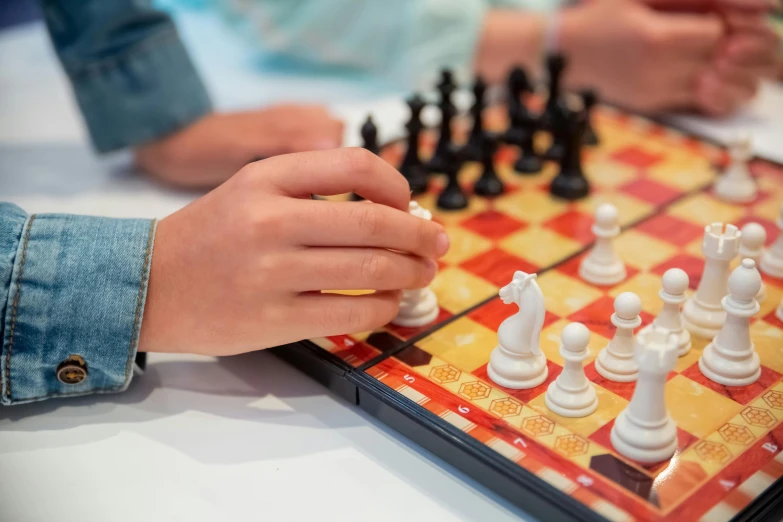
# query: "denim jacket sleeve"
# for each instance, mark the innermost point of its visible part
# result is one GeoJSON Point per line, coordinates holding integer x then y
{"type": "Point", "coordinates": [72, 288]}
{"type": "Point", "coordinates": [131, 74]}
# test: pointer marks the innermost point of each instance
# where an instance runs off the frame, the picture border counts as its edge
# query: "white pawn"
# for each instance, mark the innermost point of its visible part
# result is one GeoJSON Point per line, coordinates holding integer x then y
{"type": "Point", "coordinates": [779, 311]}
{"type": "Point", "coordinates": [736, 185]}
{"type": "Point", "coordinates": [602, 266]}
{"type": "Point", "coordinates": [571, 394]}
{"type": "Point", "coordinates": [615, 361]}
{"type": "Point", "coordinates": [674, 283]}
{"type": "Point", "coordinates": [753, 238]}
{"type": "Point", "coordinates": [644, 431]}
{"type": "Point", "coordinates": [702, 313]}
{"type": "Point", "coordinates": [420, 306]}
{"type": "Point", "coordinates": [772, 260]}
{"type": "Point", "coordinates": [730, 358]}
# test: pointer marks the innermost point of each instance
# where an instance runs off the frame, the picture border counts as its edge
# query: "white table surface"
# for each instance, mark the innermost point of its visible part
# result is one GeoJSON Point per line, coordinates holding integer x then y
{"type": "Point", "coordinates": [194, 438]}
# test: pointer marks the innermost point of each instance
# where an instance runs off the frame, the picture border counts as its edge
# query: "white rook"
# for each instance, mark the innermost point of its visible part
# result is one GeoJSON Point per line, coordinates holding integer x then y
{"type": "Point", "coordinates": [703, 314]}
{"type": "Point", "coordinates": [644, 431]}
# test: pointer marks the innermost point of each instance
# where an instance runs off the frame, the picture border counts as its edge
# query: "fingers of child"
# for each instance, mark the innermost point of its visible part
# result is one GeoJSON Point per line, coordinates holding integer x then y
{"type": "Point", "coordinates": [362, 224]}
{"type": "Point", "coordinates": [745, 81]}
{"type": "Point", "coordinates": [755, 49]}
{"type": "Point", "coordinates": [337, 172]}
{"type": "Point", "coordinates": [716, 97]}
{"type": "Point", "coordinates": [333, 314]}
{"type": "Point", "coordinates": [686, 35]}
{"type": "Point", "coordinates": [355, 269]}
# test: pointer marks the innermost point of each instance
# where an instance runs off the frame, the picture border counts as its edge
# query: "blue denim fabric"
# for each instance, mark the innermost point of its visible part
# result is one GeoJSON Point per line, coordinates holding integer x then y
{"type": "Point", "coordinates": [131, 75]}
{"type": "Point", "coordinates": [70, 285]}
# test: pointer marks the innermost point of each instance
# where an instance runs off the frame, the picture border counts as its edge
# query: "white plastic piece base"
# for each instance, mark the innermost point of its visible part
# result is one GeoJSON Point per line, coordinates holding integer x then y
{"type": "Point", "coordinates": [701, 320]}
{"type": "Point", "coordinates": [618, 370]}
{"type": "Point", "coordinates": [643, 443]}
{"type": "Point", "coordinates": [515, 371]}
{"type": "Point", "coordinates": [417, 308]}
{"type": "Point", "coordinates": [599, 274]}
{"type": "Point", "coordinates": [683, 337]}
{"type": "Point", "coordinates": [772, 265]}
{"type": "Point", "coordinates": [719, 368]}
{"type": "Point", "coordinates": [735, 190]}
{"type": "Point", "coordinates": [572, 404]}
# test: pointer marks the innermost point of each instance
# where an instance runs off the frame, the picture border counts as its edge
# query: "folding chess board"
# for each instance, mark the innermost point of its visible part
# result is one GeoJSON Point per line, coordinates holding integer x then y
{"type": "Point", "coordinates": [431, 383]}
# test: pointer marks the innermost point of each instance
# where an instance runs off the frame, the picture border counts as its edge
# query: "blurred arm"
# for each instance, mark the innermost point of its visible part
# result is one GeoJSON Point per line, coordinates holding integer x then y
{"type": "Point", "coordinates": [131, 75]}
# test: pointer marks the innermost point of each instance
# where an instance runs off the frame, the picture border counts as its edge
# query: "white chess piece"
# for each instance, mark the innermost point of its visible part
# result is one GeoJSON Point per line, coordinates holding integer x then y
{"type": "Point", "coordinates": [772, 260]}
{"type": "Point", "coordinates": [644, 431]}
{"type": "Point", "coordinates": [730, 358]}
{"type": "Point", "coordinates": [736, 185]}
{"type": "Point", "coordinates": [752, 247]}
{"type": "Point", "coordinates": [703, 314]}
{"type": "Point", "coordinates": [517, 361]}
{"type": "Point", "coordinates": [571, 394]}
{"type": "Point", "coordinates": [420, 306]}
{"type": "Point", "coordinates": [674, 283]}
{"type": "Point", "coordinates": [779, 311]}
{"type": "Point", "coordinates": [602, 266]}
{"type": "Point", "coordinates": [615, 361]}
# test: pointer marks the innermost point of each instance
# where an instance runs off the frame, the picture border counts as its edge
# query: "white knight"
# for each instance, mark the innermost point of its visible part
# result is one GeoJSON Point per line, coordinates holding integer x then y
{"type": "Point", "coordinates": [517, 361]}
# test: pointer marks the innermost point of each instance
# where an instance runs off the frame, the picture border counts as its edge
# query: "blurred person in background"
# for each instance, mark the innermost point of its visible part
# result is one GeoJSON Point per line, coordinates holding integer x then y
{"type": "Point", "coordinates": [137, 88]}
{"type": "Point", "coordinates": [645, 55]}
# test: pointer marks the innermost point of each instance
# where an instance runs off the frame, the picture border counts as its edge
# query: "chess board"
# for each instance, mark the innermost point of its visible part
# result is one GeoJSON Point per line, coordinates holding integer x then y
{"type": "Point", "coordinates": [431, 382]}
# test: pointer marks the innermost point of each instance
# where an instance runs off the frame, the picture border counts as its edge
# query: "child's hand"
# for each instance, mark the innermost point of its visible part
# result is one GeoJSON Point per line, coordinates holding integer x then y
{"type": "Point", "coordinates": [241, 268]}
{"type": "Point", "coordinates": [207, 152]}
{"type": "Point", "coordinates": [638, 57]}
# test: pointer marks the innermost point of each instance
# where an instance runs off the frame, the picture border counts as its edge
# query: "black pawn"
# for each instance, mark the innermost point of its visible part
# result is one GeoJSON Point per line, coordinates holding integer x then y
{"type": "Point", "coordinates": [556, 112]}
{"type": "Point", "coordinates": [446, 87]}
{"type": "Point", "coordinates": [589, 99]}
{"type": "Point", "coordinates": [488, 184]}
{"type": "Point", "coordinates": [476, 138]}
{"type": "Point", "coordinates": [369, 134]}
{"type": "Point", "coordinates": [452, 197]}
{"type": "Point", "coordinates": [522, 124]}
{"type": "Point", "coordinates": [570, 183]}
{"type": "Point", "coordinates": [412, 167]}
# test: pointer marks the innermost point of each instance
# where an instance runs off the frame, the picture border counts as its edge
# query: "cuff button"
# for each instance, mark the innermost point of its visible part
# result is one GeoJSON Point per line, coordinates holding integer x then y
{"type": "Point", "coordinates": [73, 370]}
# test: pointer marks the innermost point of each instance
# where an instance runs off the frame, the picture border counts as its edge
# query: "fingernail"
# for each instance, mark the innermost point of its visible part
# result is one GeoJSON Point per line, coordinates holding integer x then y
{"type": "Point", "coordinates": [442, 244]}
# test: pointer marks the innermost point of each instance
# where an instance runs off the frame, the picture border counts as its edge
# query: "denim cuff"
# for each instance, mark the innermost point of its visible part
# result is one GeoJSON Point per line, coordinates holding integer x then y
{"type": "Point", "coordinates": [76, 292]}
{"type": "Point", "coordinates": [141, 95]}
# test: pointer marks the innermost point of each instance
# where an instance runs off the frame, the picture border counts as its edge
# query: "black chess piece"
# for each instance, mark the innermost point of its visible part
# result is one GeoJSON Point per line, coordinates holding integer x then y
{"type": "Point", "coordinates": [452, 197]}
{"type": "Point", "coordinates": [412, 167]}
{"type": "Point", "coordinates": [446, 87]}
{"type": "Point", "coordinates": [522, 123]}
{"type": "Point", "coordinates": [476, 138]}
{"type": "Point", "coordinates": [556, 111]}
{"type": "Point", "coordinates": [369, 134]}
{"type": "Point", "coordinates": [570, 183]}
{"type": "Point", "coordinates": [489, 184]}
{"type": "Point", "coordinates": [589, 99]}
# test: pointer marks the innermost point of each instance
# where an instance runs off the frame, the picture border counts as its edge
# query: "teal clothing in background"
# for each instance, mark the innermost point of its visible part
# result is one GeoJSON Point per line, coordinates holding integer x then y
{"type": "Point", "coordinates": [406, 42]}
{"type": "Point", "coordinates": [131, 76]}
{"type": "Point", "coordinates": [69, 286]}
